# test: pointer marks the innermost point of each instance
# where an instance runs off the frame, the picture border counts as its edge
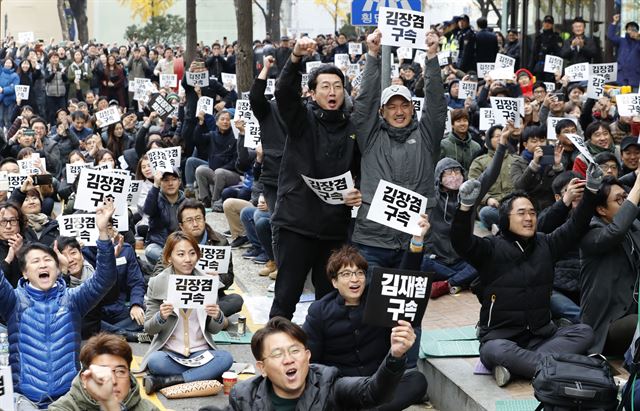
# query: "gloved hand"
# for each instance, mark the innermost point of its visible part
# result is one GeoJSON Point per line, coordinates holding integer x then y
{"type": "Point", "coordinates": [594, 177]}
{"type": "Point", "coordinates": [469, 192]}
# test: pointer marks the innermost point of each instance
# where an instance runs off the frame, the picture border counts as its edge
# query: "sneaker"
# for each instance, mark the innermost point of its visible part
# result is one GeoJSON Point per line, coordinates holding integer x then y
{"type": "Point", "coordinates": [261, 259]}
{"type": "Point", "coordinates": [502, 375]}
{"type": "Point", "coordinates": [274, 275]}
{"type": "Point", "coordinates": [271, 288]}
{"type": "Point", "coordinates": [227, 234]}
{"type": "Point", "coordinates": [240, 242]}
{"type": "Point", "coordinates": [144, 338]}
{"type": "Point", "coordinates": [252, 253]}
{"type": "Point", "coordinates": [454, 289]}
{"type": "Point", "coordinates": [439, 288]}
{"type": "Point", "coordinates": [216, 207]}
{"type": "Point", "coordinates": [268, 268]}
{"type": "Point", "coordinates": [189, 193]}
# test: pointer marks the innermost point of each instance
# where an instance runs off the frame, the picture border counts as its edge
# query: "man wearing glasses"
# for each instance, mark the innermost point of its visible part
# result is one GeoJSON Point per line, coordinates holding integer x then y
{"type": "Point", "coordinates": [12, 225]}
{"type": "Point", "coordinates": [610, 266]}
{"type": "Point", "coordinates": [516, 279]}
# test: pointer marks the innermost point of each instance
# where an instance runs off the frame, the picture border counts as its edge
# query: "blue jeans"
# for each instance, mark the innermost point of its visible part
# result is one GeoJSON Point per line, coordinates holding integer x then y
{"type": "Point", "coordinates": [249, 216]}
{"type": "Point", "coordinates": [153, 252]}
{"type": "Point", "coordinates": [160, 363]}
{"type": "Point", "coordinates": [262, 221]}
{"type": "Point", "coordinates": [458, 274]}
{"type": "Point", "coordinates": [121, 322]}
{"type": "Point", "coordinates": [5, 115]}
{"type": "Point", "coordinates": [190, 169]}
{"type": "Point", "coordinates": [563, 307]}
{"type": "Point", "coordinates": [488, 216]}
{"type": "Point", "coordinates": [237, 191]}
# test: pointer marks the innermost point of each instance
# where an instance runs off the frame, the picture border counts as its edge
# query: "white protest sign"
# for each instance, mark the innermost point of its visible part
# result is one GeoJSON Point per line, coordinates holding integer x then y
{"type": "Point", "coordinates": [443, 58]}
{"type": "Point", "coordinates": [353, 70]}
{"type": "Point", "coordinates": [310, 65]}
{"type": "Point", "coordinates": [73, 170]}
{"type": "Point", "coordinates": [580, 145]}
{"type": "Point", "coordinates": [22, 92]}
{"type": "Point", "coordinates": [97, 185]}
{"type": "Point", "coordinates": [79, 226]}
{"type": "Point", "coordinates": [168, 80]}
{"type": "Point", "coordinates": [192, 291]}
{"type": "Point", "coordinates": [504, 66]}
{"type": "Point", "coordinates": [341, 60]}
{"type": "Point", "coordinates": [447, 124]}
{"type": "Point", "coordinates": [577, 72]}
{"type": "Point", "coordinates": [199, 79]}
{"type": "Point", "coordinates": [420, 57]}
{"type": "Point", "coordinates": [553, 64]}
{"type": "Point", "coordinates": [197, 361]}
{"type": "Point", "coordinates": [607, 70]}
{"type": "Point", "coordinates": [331, 190]}
{"type": "Point", "coordinates": [551, 126]}
{"type": "Point", "coordinates": [395, 70]}
{"type": "Point", "coordinates": [107, 116]}
{"type": "Point", "coordinates": [397, 207]}
{"type": "Point", "coordinates": [467, 90]}
{"type": "Point", "coordinates": [355, 48]}
{"type": "Point", "coordinates": [271, 87]}
{"type": "Point", "coordinates": [29, 166]}
{"type": "Point", "coordinates": [595, 88]}
{"type": "Point", "coordinates": [164, 159]}
{"type": "Point", "coordinates": [229, 81]}
{"type": "Point", "coordinates": [243, 112]}
{"type": "Point", "coordinates": [550, 87]}
{"type": "Point", "coordinates": [15, 181]}
{"type": "Point", "coordinates": [628, 104]}
{"type": "Point", "coordinates": [26, 37]}
{"type": "Point", "coordinates": [487, 119]}
{"type": "Point", "coordinates": [304, 80]}
{"type": "Point", "coordinates": [134, 192]}
{"type": "Point", "coordinates": [139, 87]}
{"type": "Point", "coordinates": [205, 104]}
{"type": "Point", "coordinates": [357, 80]}
{"type": "Point", "coordinates": [506, 108]}
{"type": "Point", "coordinates": [4, 181]}
{"type": "Point", "coordinates": [214, 258]}
{"type": "Point", "coordinates": [418, 105]}
{"type": "Point", "coordinates": [402, 28]}
{"type": "Point", "coordinates": [404, 53]}
{"type": "Point", "coordinates": [251, 135]}
{"type": "Point", "coordinates": [484, 68]}
{"type": "Point", "coordinates": [6, 389]}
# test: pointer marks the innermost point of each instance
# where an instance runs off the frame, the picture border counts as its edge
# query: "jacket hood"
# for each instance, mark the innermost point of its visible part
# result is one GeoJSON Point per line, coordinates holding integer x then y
{"type": "Point", "coordinates": [83, 400]}
{"type": "Point", "coordinates": [445, 164]}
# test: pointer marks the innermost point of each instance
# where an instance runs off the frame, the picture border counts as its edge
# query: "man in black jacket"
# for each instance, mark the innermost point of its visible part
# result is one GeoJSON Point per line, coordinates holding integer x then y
{"type": "Point", "coordinates": [516, 280]}
{"type": "Point", "coordinates": [579, 48]}
{"type": "Point", "coordinates": [321, 144]}
{"type": "Point", "coordinates": [546, 42]}
{"type": "Point", "coordinates": [486, 43]}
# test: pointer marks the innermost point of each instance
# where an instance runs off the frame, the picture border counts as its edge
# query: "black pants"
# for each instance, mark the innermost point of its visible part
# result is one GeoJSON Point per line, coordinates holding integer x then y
{"type": "Point", "coordinates": [270, 196]}
{"type": "Point", "coordinates": [296, 254]}
{"type": "Point", "coordinates": [620, 335]}
{"type": "Point", "coordinates": [411, 390]}
{"type": "Point", "coordinates": [521, 358]}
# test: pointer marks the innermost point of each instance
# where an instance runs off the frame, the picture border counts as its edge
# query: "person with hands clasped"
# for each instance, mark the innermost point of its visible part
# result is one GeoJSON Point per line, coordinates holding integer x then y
{"type": "Point", "coordinates": [180, 333]}
{"type": "Point", "coordinates": [43, 298]}
{"type": "Point", "coordinates": [515, 332]}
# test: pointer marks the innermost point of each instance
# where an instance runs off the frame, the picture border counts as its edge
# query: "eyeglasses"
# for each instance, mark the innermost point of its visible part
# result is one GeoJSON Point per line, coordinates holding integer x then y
{"type": "Point", "coordinates": [295, 352]}
{"type": "Point", "coordinates": [620, 198]}
{"type": "Point", "coordinates": [192, 220]}
{"type": "Point", "coordinates": [607, 167]}
{"type": "Point", "coordinates": [451, 172]}
{"type": "Point", "coordinates": [120, 373]}
{"type": "Point", "coordinates": [523, 213]}
{"type": "Point", "coordinates": [346, 274]}
{"type": "Point", "coordinates": [9, 222]}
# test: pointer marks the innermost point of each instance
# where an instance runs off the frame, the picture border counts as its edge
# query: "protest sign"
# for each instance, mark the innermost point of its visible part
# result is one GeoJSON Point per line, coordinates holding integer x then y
{"type": "Point", "coordinates": [26, 37]}
{"type": "Point", "coordinates": [487, 119]}
{"type": "Point", "coordinates": [553, 64]}
{"type": "Point", "coordinates": [97, 185]}
{"type": "Point", "coordinates": [205, 104]}
{"type": "Point", "coordinates": [160, 105]}
{"type": "Point", "coordinates": [607, 70]}
{"type": "Point", "coordinates": [396, 294]}
{"type": "Point", "coordinates": [418, 105]}
{"type": "Point", "coordinates": [402, 28]}
{"type": "Point", "coordinates": [397, 207]}
{"type": "Point", "coordinates": [214, 258]}
{"type": "Point", "coordinates": [251, 135]}
{"type": "Point", "coordinates": [270, 90]}
{"type": "Point", "coordinates": [4, 181]}
{"type": "Point", "coordinates": [504, 66]}
{"type": "Point", "coordinates": [404, 53]}
{"type": "Point", "coordinates": [505, 109]}
{"type": "Point", "coordinates": [139, 86]}
{"type": "Point", "coordinates": [33, 165]}
{"type": "Point", "coordinates": [164, 159]}
{"type": "Point", "coordinates": [192, 291]}
{"type": "Point", "coordinates": [304, 80]}
{"type": "Point", "coordinates": [229, 81]}
{"type": "Point", "coordinates": [628, 104]}
{"type": "Point", "coordinates": [6, 389]}
{"type": "Point", "coordinates": [551, 126]}
{"type": "Point", "coordinates": [443, 58]}
{"type": "Point", "coordinates": [578, 142]}
{"type": "Point", "coordinates": [549, 86]}
{"type": "Point", "coordinates": [197, 361]}
{"type": "Point", "coordinates": [395, 70]}
{"type": "Point", "coordinates": [15, 181]}
{"type": "Point", "coordinates": [310, 65]}
{"type": "Point", "coordinates": [243, 112]}
{"type": "Point", "coordinates": [357, 80]}
{"type": "Point", "coordinates": [73, 170]}
{"type": "Point", "coordinates": [447, 124]}
{"type": "Point", "coordinates": [420, 57]}
{"type": "Point", "coordinates": [168, 80]}
{"type": "Point", "coordinates": [22, 92]}
{"type": "Point", "coordinates": [331, 190]}
{"type": "Point", "coordinates": [484, 69]}
{"type": "Point", "coordinates": [108, 116]}
{"type": "Point", "coordinates": [199, 79]}
{"type": "Point", "coordinates": [355, 48]}
{"type": "Point", "coordinates": [595, 88]}
{"type": "Point", "coordinates": [577, 72]}
{"type": "Point", "coordinates": [134, 192]}
{"type": "Point", "coordinates": [79, 226]}
{"type": "Point", "coordinates": [467, 90]}
{"type": "Point", "coordinates": [341, 60]}
{"type": "Point", "coordinates": [353, 70]}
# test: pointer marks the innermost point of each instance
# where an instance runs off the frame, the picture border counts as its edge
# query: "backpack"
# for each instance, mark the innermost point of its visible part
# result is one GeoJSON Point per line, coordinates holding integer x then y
{"type": "Point", "coordinates": [572, 382]}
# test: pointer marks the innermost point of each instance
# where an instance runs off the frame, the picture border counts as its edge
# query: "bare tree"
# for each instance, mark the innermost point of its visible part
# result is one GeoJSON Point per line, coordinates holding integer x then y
{"type": "Point", "coordinates": [271, 16]}
{"type": "Point", "coordinates": [79, 8]}
{"type": "Point", "coordinates": [63, 20]}
{"type": "Point", "coordinates": [486, 6]}
{"type": "Point", "coordinates": [192, 33]}
{"type": "Point", "coordinates": [244, 57]}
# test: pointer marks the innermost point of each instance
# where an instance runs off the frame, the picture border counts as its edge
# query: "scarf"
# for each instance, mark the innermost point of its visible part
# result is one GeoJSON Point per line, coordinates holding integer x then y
{"type": "Point", "coordinates": [527, 155]}
{"type": "Point", "coordinates": [37, 221]}
{"type": "Point", "coordinates": [595, 150]}
{"type": "Point", "coordinates": [399, 134]}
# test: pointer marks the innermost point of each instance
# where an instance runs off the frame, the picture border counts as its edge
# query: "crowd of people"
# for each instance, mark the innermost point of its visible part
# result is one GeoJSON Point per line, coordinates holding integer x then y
{"type": "Point", "coordinates": [558, 274]}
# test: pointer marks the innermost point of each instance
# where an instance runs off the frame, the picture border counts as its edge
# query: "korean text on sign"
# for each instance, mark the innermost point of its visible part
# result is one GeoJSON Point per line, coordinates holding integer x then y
{"type": "Point", "coordinates": [397, 207]}
{"type": "Point", "coordinates": [164, 159]}
{"type": "Point", "coordinates": [331, 190]}
{"type": "Point", "coordinates": [243, 112]}
{"type": "Point", "coordinates": [192, 291]}
{"type": "Point", "coordinates": [403, 28]}
{"type": "Point", "coordinates": [200, 79]}
{"type": "Point", "coordinates": [97, 186]}
{"type": "Point", "coordinates": [79, 226]}
{"type": "Point", "coordinates": [214, 258]}
{"type": "Point", "coordinates": [251, 135]}
{"type": "Point", "coordinates": [505, 109]}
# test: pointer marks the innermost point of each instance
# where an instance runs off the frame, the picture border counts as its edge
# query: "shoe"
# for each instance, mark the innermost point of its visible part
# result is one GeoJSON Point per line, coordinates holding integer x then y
{"type": "Point", "coordinates": [240, 242]}
{"type": "Point", "coordinates": [502, 375]}
{"type": "Point", "coordinates": [189, 193]}
{"type": "Point", "coordinates": [144, 338]}
{"type": "Point", "coordinates": [261, 259]}
{"type": "Point", "coordinates": [563, 322]}
{"type": "Point", "coordinates": [271, 288]}
{"type": "Point", "coordinates": [206, 202]}
{"type": "Point", "coordinates": [268, 269]}
{"type": "Point", "coordinates": [454, 289]}
{"type": "Point", "coordinates": [227, 234]}
{"type": "Point", "coordinates": [153, 383]}
{"type": "Point", "coordinates": [439, 288]}
{"type": "Point", "coordinates": [274, 275]}
{"type": "Point", "coordinates": [216, 207]}
{"type": "Point", "coordinates": [252, 253]}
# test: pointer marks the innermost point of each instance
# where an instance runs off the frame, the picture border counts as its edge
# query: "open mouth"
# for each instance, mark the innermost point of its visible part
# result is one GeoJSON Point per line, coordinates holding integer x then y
{"type": "Point", "coordinates": [332, 103]}
{"type": "Point", "coordinates": [44, 276]}
{"type": "Point", "coordinates": [354, 288]}
{"type": "Point", "coordinates": [291, 374]}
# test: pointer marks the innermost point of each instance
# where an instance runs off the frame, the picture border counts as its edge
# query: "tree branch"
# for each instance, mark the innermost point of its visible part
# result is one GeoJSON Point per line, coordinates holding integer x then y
{"type": "Point", "coordinates": [264, 12]}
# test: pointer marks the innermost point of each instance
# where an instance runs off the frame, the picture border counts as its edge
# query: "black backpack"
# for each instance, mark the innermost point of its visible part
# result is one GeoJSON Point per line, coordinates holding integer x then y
{"type": "Point", "coordinates": [572, 382]}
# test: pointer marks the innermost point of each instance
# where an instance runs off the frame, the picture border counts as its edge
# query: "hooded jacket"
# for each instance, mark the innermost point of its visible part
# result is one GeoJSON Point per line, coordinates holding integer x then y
{"type": "Point", "coordinates": [8, 80]}
{"type": "Point", "coordinates": [463, 151]}
{"type": "Point", "coordinates": [628, 51]}
{"type": "Point", "coordinates": [503, 184]}
{"type": "Point", "coordinates": [405, 157]}
{"type": "Point", "coordinates": [163, 216]}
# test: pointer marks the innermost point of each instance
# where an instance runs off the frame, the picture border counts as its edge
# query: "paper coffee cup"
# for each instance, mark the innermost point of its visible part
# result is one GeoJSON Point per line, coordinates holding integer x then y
{"type": "Point", "coordinates": [229, 379]}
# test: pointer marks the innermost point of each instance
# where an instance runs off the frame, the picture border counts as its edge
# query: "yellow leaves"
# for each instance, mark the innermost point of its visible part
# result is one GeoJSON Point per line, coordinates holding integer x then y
{"type": "Point", "coordinates": [146, 9]}
{"type": "Point", "coordinates": [336, 8]}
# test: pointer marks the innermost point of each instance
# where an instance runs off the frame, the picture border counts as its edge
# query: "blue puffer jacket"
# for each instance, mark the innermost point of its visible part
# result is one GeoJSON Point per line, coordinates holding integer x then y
{"type": "Point", "coordinates": [8, 80]}
{"type": "Point", "coordinates": [44, 328]}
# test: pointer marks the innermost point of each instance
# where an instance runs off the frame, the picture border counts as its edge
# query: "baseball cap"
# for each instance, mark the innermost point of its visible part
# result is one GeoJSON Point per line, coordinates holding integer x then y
{"type": "Point", "coordinates": [628, 142]}
{"type": "Point", "coordinates": [548, 19]}
{"type": "Point", "coordinates": [175, 172]}
{"type": "Point", "coordinates": [391, 91]}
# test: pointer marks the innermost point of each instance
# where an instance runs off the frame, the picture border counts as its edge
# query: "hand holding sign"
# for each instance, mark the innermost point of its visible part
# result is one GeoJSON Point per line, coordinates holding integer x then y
{"type": "Point", "coordinates": [353, 198]}
{"type": "Point", "coordinates": [166, 308]}
{"type": "Point", "coordinates": [212, 310]}
{"type": "Point", "coordinates": [424, 225]}
{"type": "Point", "coordinates": [103, 217]}
{"type": "Point", "coordinates": [594, 177]}
{"type": "Point", "coordinates": [402, 338]}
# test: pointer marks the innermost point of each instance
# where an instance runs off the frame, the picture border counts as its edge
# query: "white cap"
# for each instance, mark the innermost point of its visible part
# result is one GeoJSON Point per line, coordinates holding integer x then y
{"type": "Point", "coordinates": [391, 91]}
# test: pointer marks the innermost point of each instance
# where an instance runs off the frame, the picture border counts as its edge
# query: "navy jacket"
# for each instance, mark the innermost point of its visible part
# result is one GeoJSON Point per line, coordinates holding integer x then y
{"type": "Point", "coordinates": [163, 216]}
{"type": "Point", "coordinates": [221, 147]}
